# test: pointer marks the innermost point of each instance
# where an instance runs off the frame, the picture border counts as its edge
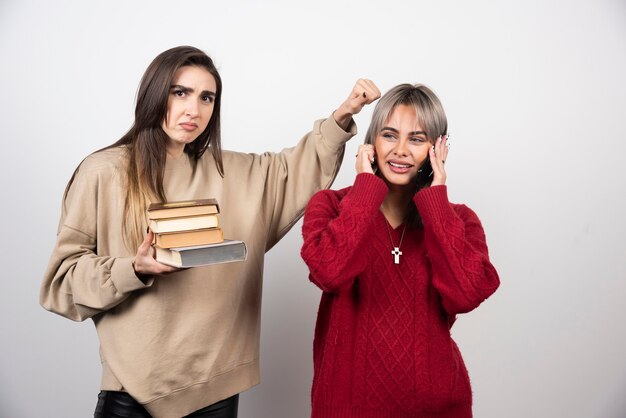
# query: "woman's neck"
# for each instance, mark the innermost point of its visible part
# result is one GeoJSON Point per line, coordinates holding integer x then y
{"type": "Point", "coordinates": [396, 204]}
{"type": "Point", "coordinates": [175, 151]}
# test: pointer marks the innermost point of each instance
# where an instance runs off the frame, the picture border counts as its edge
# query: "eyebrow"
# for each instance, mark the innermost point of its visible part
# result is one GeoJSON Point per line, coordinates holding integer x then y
{"type": "Point", "coordinates": [190, 90]}
{"type": "Point", "coordinates": [388, 128]}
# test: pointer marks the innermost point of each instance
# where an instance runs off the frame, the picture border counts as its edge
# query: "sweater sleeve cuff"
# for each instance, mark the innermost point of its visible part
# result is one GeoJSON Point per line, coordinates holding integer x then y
{"type": "Point", "coordinates": [334, 135]}
{"type": "Point", "coordinates": [432, 203]}
{"type": "Point", "coordinates": [368, 190]}
{"type": "Point", "coordinates": [124, 278]}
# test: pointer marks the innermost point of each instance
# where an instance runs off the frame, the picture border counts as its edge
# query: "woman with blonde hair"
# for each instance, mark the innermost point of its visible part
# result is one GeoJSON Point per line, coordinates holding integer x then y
{"type": "Point", "coordinates": [396, 262]}
{"type": "Point", "coordinates": [181, 342]}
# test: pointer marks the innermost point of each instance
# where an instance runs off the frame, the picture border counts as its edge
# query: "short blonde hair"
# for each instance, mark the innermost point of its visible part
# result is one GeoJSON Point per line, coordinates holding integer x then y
{"type": "Point", "coordinates": [428, 109]}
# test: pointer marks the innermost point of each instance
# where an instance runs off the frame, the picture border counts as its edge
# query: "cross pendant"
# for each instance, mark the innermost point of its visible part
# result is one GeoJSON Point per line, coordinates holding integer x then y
{"type": "Point", "coordinates": [396, 254]}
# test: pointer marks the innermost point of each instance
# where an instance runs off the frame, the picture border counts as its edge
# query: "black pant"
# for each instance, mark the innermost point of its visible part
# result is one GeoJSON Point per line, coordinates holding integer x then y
{"type": "Point", "coordinates": [122, 405]}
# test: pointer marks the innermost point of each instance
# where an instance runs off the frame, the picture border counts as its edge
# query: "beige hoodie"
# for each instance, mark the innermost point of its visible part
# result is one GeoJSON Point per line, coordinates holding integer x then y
{"type": "Point", "coordinates": [191, 338]}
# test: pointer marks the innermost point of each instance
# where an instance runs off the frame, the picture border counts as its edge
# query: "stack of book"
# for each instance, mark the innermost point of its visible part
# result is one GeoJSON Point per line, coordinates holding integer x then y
{"type": "Point", "coordinates": [187, 234]}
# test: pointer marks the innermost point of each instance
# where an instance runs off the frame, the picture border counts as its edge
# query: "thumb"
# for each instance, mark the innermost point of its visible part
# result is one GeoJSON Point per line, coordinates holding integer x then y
{"type": "Point", "coordinates": [358, 101]}
{"type": "Point", "coordinates": [147, 241]}
{"type": "Point", "coordinates": [356, 94]}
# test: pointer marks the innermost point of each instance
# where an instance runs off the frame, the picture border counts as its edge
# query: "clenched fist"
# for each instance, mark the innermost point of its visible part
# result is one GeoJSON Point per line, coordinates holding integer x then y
{"type": "Point", "coordinates": [363, 93]}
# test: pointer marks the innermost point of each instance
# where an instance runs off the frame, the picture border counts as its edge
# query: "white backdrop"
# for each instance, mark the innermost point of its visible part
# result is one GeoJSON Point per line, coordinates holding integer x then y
{"type": "Point", "coordinates": [536, 99]}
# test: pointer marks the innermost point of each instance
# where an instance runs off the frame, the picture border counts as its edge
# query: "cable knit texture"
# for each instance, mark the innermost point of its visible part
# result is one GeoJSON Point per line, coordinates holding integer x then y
{"type": "Point", "coordinates": [382, 343]}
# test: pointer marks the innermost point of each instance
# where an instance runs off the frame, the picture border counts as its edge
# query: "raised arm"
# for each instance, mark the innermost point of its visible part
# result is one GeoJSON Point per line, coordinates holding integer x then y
{"type": "Point", "coordinates": [295, 174]}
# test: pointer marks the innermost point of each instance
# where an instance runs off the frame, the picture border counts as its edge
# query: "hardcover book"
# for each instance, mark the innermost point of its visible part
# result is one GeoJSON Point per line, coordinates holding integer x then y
{"type": "Point", "coordinates": [183, 208]}
{"type": "Point", "coordinates": [189, 238]}
{"type": "Point", "coordinates": [160, 226]}
{"type": "Point", "coordinates": [228, 251]}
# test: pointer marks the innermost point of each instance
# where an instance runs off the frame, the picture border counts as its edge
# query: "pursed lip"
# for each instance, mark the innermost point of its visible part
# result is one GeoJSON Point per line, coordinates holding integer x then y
{"type": "Point", "coordinates": [189, 126]}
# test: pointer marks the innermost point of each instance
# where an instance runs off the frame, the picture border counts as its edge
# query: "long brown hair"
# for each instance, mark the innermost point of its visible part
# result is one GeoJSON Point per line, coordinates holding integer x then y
{"type": "Point", "coordinates": [145, 142]}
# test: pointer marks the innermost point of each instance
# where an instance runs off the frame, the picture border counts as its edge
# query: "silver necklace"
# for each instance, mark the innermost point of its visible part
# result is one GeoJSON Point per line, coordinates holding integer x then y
{"type": "Point", "coordinates": [396, 250]}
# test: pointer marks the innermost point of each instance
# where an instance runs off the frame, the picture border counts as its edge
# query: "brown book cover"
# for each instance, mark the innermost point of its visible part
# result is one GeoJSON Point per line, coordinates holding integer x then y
{"type": "Point", "coordinates": [188, 223]}
{"type": "Point", "coordinates": [228, 251]}
{"type": "Point", "coordinates": [189, 238]}
{"type": "Point", "coordinates": [183, 208]}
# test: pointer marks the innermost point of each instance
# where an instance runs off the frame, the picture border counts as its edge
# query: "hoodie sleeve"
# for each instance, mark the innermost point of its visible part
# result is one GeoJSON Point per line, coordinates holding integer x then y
{"type": "Point", "coordinates": [296, 173]}
{"type": "Point", "coordinates": [79, 282]}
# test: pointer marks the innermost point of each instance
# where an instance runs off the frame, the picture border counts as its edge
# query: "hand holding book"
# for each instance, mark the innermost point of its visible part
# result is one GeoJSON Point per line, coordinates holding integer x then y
{"type": "Point", "coordinates": [187, 234]}
{"type": "Point", "coordinates": [145, 264]}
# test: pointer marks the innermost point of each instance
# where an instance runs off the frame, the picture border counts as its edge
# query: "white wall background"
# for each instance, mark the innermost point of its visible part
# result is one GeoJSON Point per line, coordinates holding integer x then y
{"type": "Point", "coordinates": [536, 99]}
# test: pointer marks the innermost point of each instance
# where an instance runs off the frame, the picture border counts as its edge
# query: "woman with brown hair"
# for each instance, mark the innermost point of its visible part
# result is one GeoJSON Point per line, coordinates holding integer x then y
{"type": "Point", "coordinates": [176, 342]}
{"type": "Point", "coordinates": [396, 262]}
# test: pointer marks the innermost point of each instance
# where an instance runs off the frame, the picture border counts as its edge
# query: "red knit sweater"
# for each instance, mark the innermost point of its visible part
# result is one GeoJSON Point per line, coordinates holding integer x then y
{"type": "Point", "coordinates": [382, 345]}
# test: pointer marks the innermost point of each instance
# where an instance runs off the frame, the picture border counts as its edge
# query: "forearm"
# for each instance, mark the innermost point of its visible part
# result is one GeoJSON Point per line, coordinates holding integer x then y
{"type": "Point", "coordinates": [457, 249]}
{"type": "Point", "coordinates": [343, 117]}
{"type": "Point", "coordinates": [336, 233]}
{"type": "Point", "coordinates": [295, 174]}
{"type": "Point", "coordinates": [78, 284]}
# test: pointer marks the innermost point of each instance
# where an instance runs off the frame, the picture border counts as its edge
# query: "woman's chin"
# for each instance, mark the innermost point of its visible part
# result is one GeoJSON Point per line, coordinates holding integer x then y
{"type": "Point", "coordinates": [399, 181]}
